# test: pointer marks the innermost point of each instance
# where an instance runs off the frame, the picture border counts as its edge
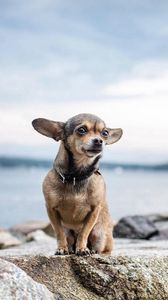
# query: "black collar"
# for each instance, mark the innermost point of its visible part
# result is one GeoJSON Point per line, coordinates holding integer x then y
{"type": "Point", "coordinates": [70, 178]}
{"type": "Point", "coordinates": [75, 175]}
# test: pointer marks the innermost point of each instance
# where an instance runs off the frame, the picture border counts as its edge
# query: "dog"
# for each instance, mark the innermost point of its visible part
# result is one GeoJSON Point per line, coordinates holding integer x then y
{"type": "Point", "coordinates": [74, 189]}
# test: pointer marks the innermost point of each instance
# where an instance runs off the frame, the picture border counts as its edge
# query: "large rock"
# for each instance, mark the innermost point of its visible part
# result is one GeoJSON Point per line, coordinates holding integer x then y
{"type": "Point", "coordinates": [124, 278]}
{"type": "Point", "coordinates": [135, 227]}
{"type": "Point", "coordinates": [153, 227]}
{"type": "Point", "coordinates": [38, 235]}
{"type": "Point", "coordinates": [27, 227]}
{"type": "Point", "coordinates": [138, 270]}
{"type": "Point", "coordinates": [8, 240]}
{"type": "Point", "coordinates": [16, 284]}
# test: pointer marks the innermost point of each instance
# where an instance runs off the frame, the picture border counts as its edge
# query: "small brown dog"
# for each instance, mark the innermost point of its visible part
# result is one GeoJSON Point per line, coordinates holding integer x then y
{"type": "Point", "coordinates": [74, 189]}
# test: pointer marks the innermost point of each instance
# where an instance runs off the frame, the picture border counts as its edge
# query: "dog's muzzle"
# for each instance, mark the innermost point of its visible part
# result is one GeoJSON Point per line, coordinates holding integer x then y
{"type": "Point", "coordinates": [96, 146]}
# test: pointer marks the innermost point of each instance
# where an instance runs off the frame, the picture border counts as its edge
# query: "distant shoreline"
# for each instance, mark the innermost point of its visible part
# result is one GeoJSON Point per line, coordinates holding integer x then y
{"type": "Point", "coordinates": [15, 162]}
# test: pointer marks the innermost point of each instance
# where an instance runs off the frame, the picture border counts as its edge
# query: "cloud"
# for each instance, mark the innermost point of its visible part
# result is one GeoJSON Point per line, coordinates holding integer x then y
{"type": "Point", "coordinates": [139, 87]}
{"type": "Point", "coordinates": [70, 51]}
{"type": "Point", "coordinates": [60, 58]}
{"type": "Point", "coordinates": [146, 79]}
{"type": "Point", "coordinates": [140, 108]}
{"type": "Point", "coordinates": [144, 122]}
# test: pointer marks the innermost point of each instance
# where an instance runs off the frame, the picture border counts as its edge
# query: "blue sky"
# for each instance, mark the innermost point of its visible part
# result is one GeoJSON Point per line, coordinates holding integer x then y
{"type": "Point", "coordinates": [60, 58]}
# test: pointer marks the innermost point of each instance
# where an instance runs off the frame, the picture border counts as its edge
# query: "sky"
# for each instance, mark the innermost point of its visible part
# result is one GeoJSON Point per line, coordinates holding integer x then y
{"type": "Point", "coordinates": [59, 58]}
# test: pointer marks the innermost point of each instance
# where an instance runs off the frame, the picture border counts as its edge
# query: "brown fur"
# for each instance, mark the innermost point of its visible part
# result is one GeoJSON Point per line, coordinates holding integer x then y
{"type": "Point", "coordinates": [78, 210]}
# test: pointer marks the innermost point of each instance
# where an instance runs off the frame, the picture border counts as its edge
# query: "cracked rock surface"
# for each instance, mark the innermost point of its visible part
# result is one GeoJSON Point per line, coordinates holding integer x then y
{"type": "Point", "coordinates": [136, 270]}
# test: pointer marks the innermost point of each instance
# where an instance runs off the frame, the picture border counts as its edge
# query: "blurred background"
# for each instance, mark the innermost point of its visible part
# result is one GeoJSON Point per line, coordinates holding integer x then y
{"type": "Point", "coordinates": [59, 58]}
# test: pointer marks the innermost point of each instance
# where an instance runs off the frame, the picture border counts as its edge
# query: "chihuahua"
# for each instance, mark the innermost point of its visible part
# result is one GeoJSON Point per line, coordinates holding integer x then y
{"type": "Point", "coordinates": [74, 189]}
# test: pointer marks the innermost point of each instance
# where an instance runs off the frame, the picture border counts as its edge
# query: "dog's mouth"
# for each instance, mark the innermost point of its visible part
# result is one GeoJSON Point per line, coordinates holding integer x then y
{"type": "Point", "coordinates": [93, 151]}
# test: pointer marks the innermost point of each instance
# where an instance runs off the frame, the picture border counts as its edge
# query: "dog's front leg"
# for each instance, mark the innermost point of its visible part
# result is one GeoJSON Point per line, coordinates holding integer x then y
{"type": "Point", "coordinates": [59, 231]}
{"type": "Point", "coordinates": [82, 239]}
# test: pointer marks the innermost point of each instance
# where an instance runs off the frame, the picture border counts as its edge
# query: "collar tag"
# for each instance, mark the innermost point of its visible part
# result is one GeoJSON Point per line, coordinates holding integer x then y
{"type": "Point", "coordinates": [62, 177]}
{"type": "Point", "coordinates": [74, 181]}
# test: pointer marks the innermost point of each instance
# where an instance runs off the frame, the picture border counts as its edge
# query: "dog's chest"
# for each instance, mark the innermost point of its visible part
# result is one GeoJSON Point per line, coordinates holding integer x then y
{"type": "Point", "coordinates": [73, 207]}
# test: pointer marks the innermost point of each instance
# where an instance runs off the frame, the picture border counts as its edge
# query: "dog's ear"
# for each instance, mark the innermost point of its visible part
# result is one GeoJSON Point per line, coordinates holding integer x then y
{"type": "Point", "coordinates": [49, 128]}
{"type": "Point", "coordinates": [114, 135]}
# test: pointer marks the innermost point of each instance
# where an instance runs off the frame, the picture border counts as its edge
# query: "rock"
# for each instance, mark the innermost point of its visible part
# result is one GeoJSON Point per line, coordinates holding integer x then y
{"type": "Point", "coordinates": [28, 227]}
{"type": "Point", "coordinates": [122, 247]}
{"type": "Point", "coordinates": [32, 248]}
{"type": "Point", "coordinates": [161, 223]}
{"type": "Point", "coordinates": [158, 217]}
{"type": "Point", "coordinates": [154, 227]}
{"type": "Point", "coordinates": [124, 278]}
{"type": "Point", "coordinates": [138, 270]}
{"type": "Point", "coordinates": [162, 235]}
{"type": "Point", "coordinates": [16, 284]}
{"type": "Point", "coordinates": [8, 240]}
{"type": "Point", "coordinates": [49, 230]}
{"type": "Point", "coordinates": [135, 227]}
{"type": "Point", "coordinates": [38, 235]}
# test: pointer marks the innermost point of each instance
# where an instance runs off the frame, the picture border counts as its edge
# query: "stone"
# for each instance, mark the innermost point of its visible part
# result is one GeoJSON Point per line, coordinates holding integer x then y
{"type": "Point", "coordinates": [135, 227]}
{"type": "Point", "coordinates": [161, 223]}
{"type": "Point", "coordinates": [124, 278]}
{"type": "Point", "coordinates": [49, 230]}
{"type": "Point", "coordinates": [38, 235]}
{"type": "Point", "coordinates": [162, 235]}
{"type": "Point", "coordinates": [154, 227]}
{"type": "Point", "coordinates": [25, 228]}
{"type": "Point", "coordinates": [32, 248]}
{"type": "Point", "coordinates": [137, 270]}
{"type": "Point", "coordinates": [16, 284]}
{"type": "Point", "coordinates": [8, 240]}
{"type": "Point", "coordinates": [158, 217]}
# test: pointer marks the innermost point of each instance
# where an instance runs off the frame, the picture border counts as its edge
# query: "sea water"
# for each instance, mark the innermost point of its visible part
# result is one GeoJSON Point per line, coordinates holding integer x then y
{"type": "Point", "coordinates": [129, 193]}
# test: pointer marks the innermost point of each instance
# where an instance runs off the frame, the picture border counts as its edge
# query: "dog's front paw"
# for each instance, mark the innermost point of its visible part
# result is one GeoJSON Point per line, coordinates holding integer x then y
{"type": "Point", "coordinates": [61, 251]}
{"type": "Point", "coordinates": [83, 251]}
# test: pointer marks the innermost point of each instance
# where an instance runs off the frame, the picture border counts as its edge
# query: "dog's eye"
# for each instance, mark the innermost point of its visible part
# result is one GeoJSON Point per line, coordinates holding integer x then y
{"type": "Point", "coordinates": [82, 130]}
{"type": "Point", "coordinates": [105, 133]}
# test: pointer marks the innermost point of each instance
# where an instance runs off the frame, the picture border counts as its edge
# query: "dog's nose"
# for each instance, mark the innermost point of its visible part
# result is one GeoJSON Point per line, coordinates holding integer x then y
{"type": "Point", "coordinates": [97, 142]}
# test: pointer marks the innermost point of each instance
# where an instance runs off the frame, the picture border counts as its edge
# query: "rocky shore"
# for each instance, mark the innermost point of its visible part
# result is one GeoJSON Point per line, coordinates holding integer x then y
{"type": "Point", "coordinates": [138, 268]}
